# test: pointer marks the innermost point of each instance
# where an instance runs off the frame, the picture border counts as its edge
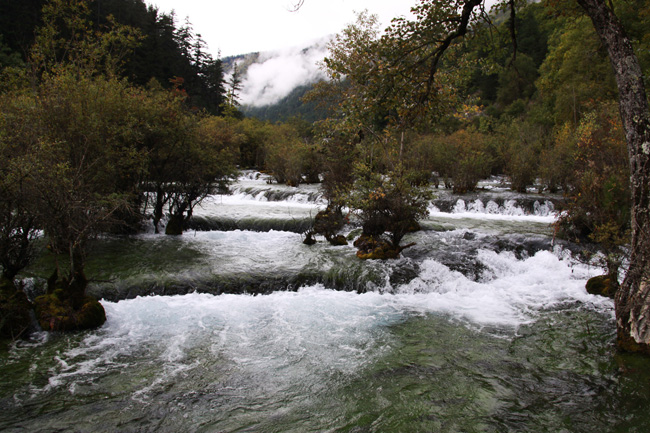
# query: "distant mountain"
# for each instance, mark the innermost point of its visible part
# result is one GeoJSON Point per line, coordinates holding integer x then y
{"type": "Point", "coordinates": [273, 83]}
{"type": "Point", "coordinates": [243, 61]}
{"type": "Point", "coordinates": [286, 108]}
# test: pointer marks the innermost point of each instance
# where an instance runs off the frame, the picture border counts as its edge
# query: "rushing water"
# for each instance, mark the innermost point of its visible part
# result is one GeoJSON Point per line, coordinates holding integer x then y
{"type": "Point", "coordinates": [483, 326]}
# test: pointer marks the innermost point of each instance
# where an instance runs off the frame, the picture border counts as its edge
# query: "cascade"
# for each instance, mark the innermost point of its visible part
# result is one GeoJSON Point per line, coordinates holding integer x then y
{"type": "Point", "coordinates": [483, 325]}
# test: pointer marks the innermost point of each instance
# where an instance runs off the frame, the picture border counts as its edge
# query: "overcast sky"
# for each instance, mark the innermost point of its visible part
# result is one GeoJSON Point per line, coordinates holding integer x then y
{"type": "Point", "coordinates": [243, 26]}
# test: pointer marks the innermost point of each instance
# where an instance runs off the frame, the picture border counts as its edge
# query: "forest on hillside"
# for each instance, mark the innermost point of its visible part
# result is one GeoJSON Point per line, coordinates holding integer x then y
{"type": "Point", "coordinates": [112, 116]}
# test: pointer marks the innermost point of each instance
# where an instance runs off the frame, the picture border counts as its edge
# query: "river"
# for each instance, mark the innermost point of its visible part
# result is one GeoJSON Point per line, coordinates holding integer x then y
{"type": "Point", "coordinates": [237, 326]}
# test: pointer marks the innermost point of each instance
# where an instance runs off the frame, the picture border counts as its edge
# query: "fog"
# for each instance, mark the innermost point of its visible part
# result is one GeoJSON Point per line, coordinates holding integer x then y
{"type": "Point", "coordinates": [277, 73]}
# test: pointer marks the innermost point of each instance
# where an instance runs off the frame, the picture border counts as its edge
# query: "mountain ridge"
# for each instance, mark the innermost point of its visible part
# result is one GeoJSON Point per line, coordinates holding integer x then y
{"type": "Point", "coordinates": [273, 83]}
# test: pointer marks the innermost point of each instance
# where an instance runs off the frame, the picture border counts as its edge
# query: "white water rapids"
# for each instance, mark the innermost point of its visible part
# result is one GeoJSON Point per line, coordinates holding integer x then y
{"type": "Point", "coordinates": [317, 359]}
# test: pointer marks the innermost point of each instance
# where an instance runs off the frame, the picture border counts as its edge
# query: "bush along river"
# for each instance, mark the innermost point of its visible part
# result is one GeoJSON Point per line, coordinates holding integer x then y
{"type": "Point", "coordinates": [237, 326]}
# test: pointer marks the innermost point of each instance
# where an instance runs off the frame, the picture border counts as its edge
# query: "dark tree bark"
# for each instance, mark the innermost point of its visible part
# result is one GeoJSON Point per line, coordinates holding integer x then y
{"type": "Point", "coordinates": [633, 298]}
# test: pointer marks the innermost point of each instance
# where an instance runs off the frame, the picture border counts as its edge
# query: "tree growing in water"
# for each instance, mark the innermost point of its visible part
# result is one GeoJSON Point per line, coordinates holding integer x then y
{"type": "Point", "coordinates": [420, 44]}
{"type": "Point", "coordinates": [73, 128]}
{"type": "Point", "coordinates": [633, 298]}
{"type": "Point", "coordinates": [375, 111]}
{"type": "Point", "coordinates": [189, 156]}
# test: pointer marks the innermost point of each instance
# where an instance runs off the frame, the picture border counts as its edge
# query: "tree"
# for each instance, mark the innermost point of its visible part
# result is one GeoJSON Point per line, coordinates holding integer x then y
{"type": "Point", "coordinates": [439, 24]}
{"type": "Point", "coordinates": [189, 156]}
{"type": "Point", "coordinates": [234, 87]}
{"type": "Point", "coordinates": [633, 298]}
{"type": "Point", "coordinates": [389, 204]}
{"type": "Point", "coordinates": [462, 158]}
{"type": "Point", "coordinates": [71, 136]}
{"type": "Point", "coordinates": [380, 97]}
{"type": "Point", "coordinates": [285, 154]}
{"type": "Point", "coordinates": [522, 142]}
{"type": "Point", "coordinates": [18, 225]}
{"type": "Point", "coordinates": [575, 72]}
{"type": "Point", "coordinates": [165, 51]}
{"type": "Point", "coordinates": [598, 192]}
{"type": "Point", "coordinates": [85, 172]}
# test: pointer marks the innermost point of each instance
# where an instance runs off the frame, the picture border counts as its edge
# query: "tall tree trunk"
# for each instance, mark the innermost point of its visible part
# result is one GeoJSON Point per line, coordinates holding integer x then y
{"type": "Point", "coordinates": [159, 206]}
{"type": "Point", "coordinates": [633, 298]}
{"type": "Point", "coordinates": [77, 281]}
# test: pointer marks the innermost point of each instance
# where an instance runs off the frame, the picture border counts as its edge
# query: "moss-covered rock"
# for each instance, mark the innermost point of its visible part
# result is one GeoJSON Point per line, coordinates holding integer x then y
{"type": "Point", "coordinates": [55, 312]}
{"type": "Point", "coordinates": [375, 248]}
{"type": "Point", "coordinates": [602, 285]}
{"type": "Point", "coordinates": [15, 311]}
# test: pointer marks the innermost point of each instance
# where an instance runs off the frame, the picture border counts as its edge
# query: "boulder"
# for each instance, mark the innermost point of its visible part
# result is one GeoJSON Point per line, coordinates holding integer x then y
{"type": "Point", "coordinates": [375, 248]}
{"type": "Point", "coordinates": [309, 239]}
{"type": "Point", "coordinates": [602, 285]}
{"type": "Point", "coordinates": [338, 240]}
{"type": "Point", "coordinates": [55, 312]}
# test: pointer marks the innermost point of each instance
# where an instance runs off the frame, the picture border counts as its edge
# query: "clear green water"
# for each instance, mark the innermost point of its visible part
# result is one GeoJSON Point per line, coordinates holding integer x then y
{"type": "Point", "coordinates": [483, 326]}
{"type": "Point", "coordinates": [365, 365]}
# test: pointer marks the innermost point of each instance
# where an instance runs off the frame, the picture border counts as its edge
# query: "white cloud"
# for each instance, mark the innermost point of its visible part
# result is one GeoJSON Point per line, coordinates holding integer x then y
{"type": "Point", "coordinates": [277, 73]}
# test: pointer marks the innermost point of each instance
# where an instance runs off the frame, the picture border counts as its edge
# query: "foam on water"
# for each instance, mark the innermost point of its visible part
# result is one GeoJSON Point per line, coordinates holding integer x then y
{"type": "Point", "coordinates": [509, 211]}
{"type": "Point", "coordinates": [511, 292]}
{"type": "Point", "coordinates": [282, 338]}
{"type": "Point", "coordinates": [314, 332]}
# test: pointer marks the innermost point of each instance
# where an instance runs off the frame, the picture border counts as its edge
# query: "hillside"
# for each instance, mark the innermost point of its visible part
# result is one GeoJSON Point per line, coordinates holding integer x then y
{"type": "Point", "coordinates": [273, 83]}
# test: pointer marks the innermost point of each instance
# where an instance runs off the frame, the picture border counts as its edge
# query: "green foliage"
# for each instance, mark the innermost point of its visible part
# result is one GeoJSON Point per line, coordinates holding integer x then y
{"type": "Point", "coordinates": [189, 156]}
{"type": "Point", "coordinates": [74, 156]}
{"type": "Point", "coordinates": [157, 47]}
{"type": "Point", "coordinates": [285, 154]}
{"type": "Point", "coordinates": [461, 158]}
{"type": "Point", "coordinates": [18, 226]}
{"type": "Point", "coordinates": [253, 136]}
{"type": "Point", "coordinates": [382, 83]}
{"type": "Point", "coordinates": [387, 203]}
{"type": "Point", "coordinates": [557, 160]}
{"type": "Point", "coordinates": [328, 223]}
{"type": "Point", "coordinates": [8, 58]}
{"type": "Point", "coordinates": [575, 72]}
{"type": "Point", "coordinates": [66, 39]}
{"type": "Point", "coordinates": [286, 151]}
{"type": "Point", "coordinates": [384, 87]}
{"type": "Point", "coordinates": [15, 310]}
{"type": "Point", "coordinates": [599, 193]}
{"type": "Point", "coordinates": [517, 81]}
{"type": "Point", "coordinates": [339, 154]}
{"type": "Point", "coordinates": [203, 164]}
{"type": "Point", "coordinates": [522, 143]}
{"type": "Point", "coordinates": [79, 146]}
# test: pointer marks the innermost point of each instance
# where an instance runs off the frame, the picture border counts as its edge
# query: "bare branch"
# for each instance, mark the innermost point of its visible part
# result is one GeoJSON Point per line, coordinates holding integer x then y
{"type": "Point", "coordinates": [297, 6]}
{"type": "Point", "coordinates": [513, 31]}
{"type": "Point", "coordinates": [460, 31]}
